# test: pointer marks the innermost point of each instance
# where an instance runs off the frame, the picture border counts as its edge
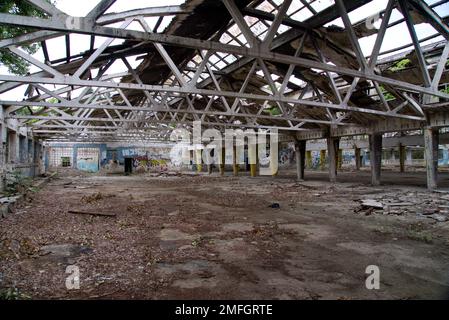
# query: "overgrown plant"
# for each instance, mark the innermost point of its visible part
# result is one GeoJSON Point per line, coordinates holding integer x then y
{"type": "Point", "coordinates": [15, 64]}
{"type": "Point", "coordinates": [16, 183]}
{"type": "Point", "coordinates": [13, 294]}
{"type": "Point", "coordinates": [401, 65]}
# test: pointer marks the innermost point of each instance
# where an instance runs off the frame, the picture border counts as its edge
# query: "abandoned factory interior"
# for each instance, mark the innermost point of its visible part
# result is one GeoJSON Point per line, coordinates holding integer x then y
{"type": "Point", "coordinates": [224, 149]}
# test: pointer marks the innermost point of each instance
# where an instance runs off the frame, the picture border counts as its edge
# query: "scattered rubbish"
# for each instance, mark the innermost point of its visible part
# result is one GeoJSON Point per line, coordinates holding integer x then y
{"type": "Point", "coordinates": [372, 204]}
{"type": "Point", "coordinates": [92, 198]}
{"type": "Point", "coordinates": [275, 206]}
{"type": "Point", "coordinates": [438, 217]}
{"type": "Point", "coordinates": [107, 214]}
{"type": "Point", "coordinates": [174, 213]}
{"type": "Point", "coordinates": [64, 250]}
{"type": "Point", "coordinates": [435, 206]}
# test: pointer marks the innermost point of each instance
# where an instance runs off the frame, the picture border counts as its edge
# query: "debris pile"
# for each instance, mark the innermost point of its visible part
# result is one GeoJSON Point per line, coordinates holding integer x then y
{"type": "Point", "coordinates": [432, 206]}
{"type": "Point", "coordinates": [92, 198]}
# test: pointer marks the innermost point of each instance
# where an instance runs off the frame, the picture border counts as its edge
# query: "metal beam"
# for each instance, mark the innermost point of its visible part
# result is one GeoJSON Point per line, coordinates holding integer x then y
{"type": "Point", "coordinates": [80, 25]}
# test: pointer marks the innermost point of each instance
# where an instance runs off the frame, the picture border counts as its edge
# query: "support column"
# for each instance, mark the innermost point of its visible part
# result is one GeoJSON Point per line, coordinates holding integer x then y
{"type": "Point", "coordinates": [332, 147]}
{"type": "Point", "coordinates": [31, 151]}
{"type": "Point", "coordinates": [322, 160]}
{"type": "Point", "coordinates": [17, 147]}
{"type": "Point", "coordinates": [431, 142]}
{"type": "Point", "coordinates": [375, 144]}
{"type": "Point", "coordinates": [209, 158]}
{"type": "Point", "coordinates": [309, 160]}
{"type": "Point", "coordinates": [3, 139]}
{"type": "Point", "coordinates": [252, 159]}
{"type": "Point", "coordinates": [340, 159]}
{"type": "Point", "coordinates": [235, 166]}
{"type": "Point", "coordinates": [223, 160]}
{"type": "Point", "coordinates": [401, 157]}
{"type": "Point", "coordinates": [358, 158]}
{"type": "Point", "coordinates": [199, 162]}
{"type": "Point", "coordinates": [300, 152]}
{"type": "Point", "coordinates": [209, 168]}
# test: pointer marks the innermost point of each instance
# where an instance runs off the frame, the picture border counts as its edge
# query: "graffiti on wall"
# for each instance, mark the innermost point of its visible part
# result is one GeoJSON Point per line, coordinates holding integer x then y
{"type": "Point", "coordinates": [146, 159]}
{"type": "Point", "coordinates": [286, 154]}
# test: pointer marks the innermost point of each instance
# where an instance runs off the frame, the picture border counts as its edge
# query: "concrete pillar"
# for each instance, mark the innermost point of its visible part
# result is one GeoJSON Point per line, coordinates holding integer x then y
{"type": "Point", "coordinates": [199, 161]}
{"type": "Point", "coordinates": [17, 147]}
{"type": "Point", "coordinates": [223, 161]}
{"type": "Point", "coordinates": [209, 168]}
{"type": "Point", "coordinates": [309, 163]}
{"type": "Point", "coordinates": [332, 147]}
{"type": "Point", "coordinates": [401, 157]}
{"type": "Point", "coordinates": [274, 158]}
{"type": "Point", "coordinates": [375, 144]}
{"type": "Point", "coordinates": [209, 159]}
{"type": "Point", "coordinates": [409, 157]}
{"type": "Point", "coordinates": [358, 158]}
{"type": "Point", "coordinates": [300, 152]}
{"type": "Point", "coordinates": [340, 159]}
{"type": "Point", "coordinates": [23, 150]}
{"type": "Point", "coordinates": [235, 166]}
{"type": "Point", "coordinates": [252, 159]}
{"type": "Point", "coordinates": [31, 151]}
{"type": "Point", "coordinates": [4, 141]}
{"type": "Point", "coordinates": [431, 142]}
{"type": "Point", "coordinates": [322, 159]}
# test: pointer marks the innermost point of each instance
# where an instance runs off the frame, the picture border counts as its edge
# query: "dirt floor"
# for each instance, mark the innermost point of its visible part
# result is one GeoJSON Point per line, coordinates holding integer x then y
{"type": "Point", "coordinates": [211, 237]}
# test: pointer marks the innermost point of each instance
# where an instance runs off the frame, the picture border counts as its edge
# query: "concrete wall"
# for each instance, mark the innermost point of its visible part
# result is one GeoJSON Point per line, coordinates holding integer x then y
{"type": "Point", "coordinates": [20, 154]}
{"type": "Point", "coordinates": [95, 157]}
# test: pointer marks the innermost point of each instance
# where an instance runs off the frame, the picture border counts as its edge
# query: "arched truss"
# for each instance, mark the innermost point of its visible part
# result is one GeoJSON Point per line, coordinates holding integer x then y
{"type": "Point", "coordinates": [231, 64]}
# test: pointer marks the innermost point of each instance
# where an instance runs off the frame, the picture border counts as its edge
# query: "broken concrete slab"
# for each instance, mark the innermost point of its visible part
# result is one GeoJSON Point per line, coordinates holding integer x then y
{"type": "Point", "coordinates": [370, 203]}
{"type": "Point", "coordinates": [64, 250]}
{"type": "Point", "coordinates": [174, 234]}
{"type": "Point", "coordinates": [238, 227]}
{"type": "Point", "coordinates": [438, 217]}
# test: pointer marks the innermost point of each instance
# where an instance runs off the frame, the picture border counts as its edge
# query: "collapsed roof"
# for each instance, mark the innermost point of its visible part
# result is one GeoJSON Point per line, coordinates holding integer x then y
{"type": "Point", "coordinates": [296, 66]}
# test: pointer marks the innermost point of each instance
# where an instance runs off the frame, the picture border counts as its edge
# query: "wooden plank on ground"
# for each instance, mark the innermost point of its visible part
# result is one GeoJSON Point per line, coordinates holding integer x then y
{"type": "Point", "coordinates": [106, 214]}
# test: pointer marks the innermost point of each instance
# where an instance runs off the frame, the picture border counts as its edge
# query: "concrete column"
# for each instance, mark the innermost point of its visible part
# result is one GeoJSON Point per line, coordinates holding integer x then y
{"type": "Point", "coordinates": [300, 152]}
{"type": "Point", "coordinates": [199, 161]}
{"type": "Point", "coordinates": [274, 158]}
{"type": "Point", "coordinates": [31, 151]}
{"type": "Point", "coordinates": [322, 159]}
{"type": "Point", "coordinates": [309, 160]}
{"type": "Point", "coordinates": [252, 159]}
{"type": "Point", "coordinates": [235, 166]}
{"type": "Point", "coordinates": [340, 159]}
{"type": "Point", "coordinates": [409, 157]}
{"type": "Point", "coordinates": [17, 147]}
{"type": "Point", "coordinates": [358, 158]}
{"type": "Point", "coordinates": [209, 160]}
{"type": "Point", "coordinates": [431, 142]}
{"type": "Point", "coordinates": [332, 149]}
{"type": "Point", "coordinates": [401, 157]}
{"type": "Point", "coordinates": [375, 144]}
{"type": "Point", "coordinates": [23, 150]}
{"type": "Point", "coordinates": [223, 161]}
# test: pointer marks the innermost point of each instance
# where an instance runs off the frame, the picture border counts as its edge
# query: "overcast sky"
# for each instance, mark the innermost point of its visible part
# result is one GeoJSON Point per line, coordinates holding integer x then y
{"type": "Point", "coordinates": [395, 37]}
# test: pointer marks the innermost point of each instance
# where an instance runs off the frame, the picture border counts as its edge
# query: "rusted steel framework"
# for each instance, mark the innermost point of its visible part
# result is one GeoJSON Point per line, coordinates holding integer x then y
{"type": "Point", "coordinates": [231, 64]}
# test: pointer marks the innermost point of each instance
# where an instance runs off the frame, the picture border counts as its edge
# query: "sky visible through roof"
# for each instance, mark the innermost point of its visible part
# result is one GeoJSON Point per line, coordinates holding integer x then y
{"type": "Point", "coordinates": [396, 36]}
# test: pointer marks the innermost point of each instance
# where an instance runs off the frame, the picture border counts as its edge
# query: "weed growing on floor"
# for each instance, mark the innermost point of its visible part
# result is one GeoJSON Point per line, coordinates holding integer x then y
{"type": "Point", "coordinates": [13, 294]}
{"type": "Point", "coordinates": [17, 183]}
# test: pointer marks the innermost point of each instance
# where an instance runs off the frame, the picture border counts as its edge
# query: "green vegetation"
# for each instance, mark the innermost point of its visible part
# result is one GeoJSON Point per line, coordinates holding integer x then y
{"type": "Point", "coordinates": [13, 294]}
{"type": "Point", "coordinates": [15, 64]}
{"type": "Point", "coordinates": [401, 65]}
{"type": "Point", "coordinates": [445, 90]}
{"type": "Point", "coordinates": [273, 111]}
{"type": "Point", "coordinates": [388, 96]}
{"type": "Point", "coordinates": [17, 183]}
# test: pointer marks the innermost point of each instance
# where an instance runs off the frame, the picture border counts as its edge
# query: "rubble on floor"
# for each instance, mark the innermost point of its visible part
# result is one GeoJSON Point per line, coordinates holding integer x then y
{"type": "Point", "coordinates": [423, 204]}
